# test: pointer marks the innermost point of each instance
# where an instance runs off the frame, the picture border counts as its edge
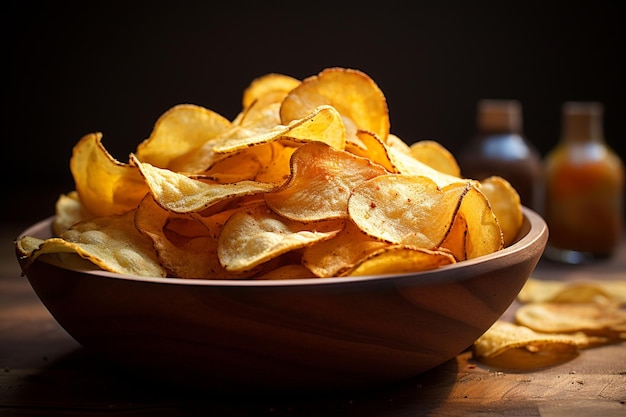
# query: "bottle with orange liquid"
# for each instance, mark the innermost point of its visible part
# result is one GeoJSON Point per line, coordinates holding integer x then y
{"type": "Point", "coordinates": [584, 188]}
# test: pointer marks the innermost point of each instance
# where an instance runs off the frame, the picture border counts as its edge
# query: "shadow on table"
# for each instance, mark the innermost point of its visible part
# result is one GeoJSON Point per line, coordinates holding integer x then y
{"type": "Point", "coordinates": [83, 383]}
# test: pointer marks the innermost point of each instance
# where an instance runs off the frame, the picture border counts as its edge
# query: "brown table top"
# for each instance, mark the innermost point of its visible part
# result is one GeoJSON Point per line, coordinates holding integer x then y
{"type": "Point", "coordinates": [43, 371]}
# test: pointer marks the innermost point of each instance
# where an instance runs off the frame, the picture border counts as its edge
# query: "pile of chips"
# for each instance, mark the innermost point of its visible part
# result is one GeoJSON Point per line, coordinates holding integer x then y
{"type": "Point", "coordinates": [555, 320]}
{"type": "Point", "coordinates": [305, 182]}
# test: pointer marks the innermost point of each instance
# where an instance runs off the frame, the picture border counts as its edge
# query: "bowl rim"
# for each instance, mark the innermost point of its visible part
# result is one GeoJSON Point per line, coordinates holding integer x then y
{"type": "Point", "coordinates": [537, 230]}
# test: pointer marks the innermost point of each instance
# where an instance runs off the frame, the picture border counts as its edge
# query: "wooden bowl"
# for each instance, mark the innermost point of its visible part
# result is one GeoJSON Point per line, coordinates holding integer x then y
{"type": "Point", "coordinates": [331, 333]}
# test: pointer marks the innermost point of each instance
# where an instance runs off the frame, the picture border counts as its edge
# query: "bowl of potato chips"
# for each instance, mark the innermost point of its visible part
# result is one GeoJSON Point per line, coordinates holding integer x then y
{"type": "Point", "coordinates": [299, 245]}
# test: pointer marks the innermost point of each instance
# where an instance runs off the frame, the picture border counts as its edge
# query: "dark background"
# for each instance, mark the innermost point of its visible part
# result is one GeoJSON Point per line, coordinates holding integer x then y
{"type": "Point", "coordinates": [115, 67]}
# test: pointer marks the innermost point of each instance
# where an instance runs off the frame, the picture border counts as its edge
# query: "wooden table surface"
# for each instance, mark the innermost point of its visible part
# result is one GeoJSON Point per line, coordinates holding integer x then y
{"type": "Point", "coordinates": [43, 371]}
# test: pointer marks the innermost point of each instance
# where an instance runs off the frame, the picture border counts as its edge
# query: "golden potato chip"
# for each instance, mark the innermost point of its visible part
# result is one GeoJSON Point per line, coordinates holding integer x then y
{"type": "Point", "coordinates": [307, 180]}
{"type": "Point", "coordinates": [179, 193]}
{"type": "Point", "coordinates": [186, 246]}
{"type": "Point", "coordinates": [514, 346]}
{"type": "Point", "coordinates": [342, 252]}
{"type": "Point", "coordinates": [354, 94]}
{"type": "Point", "coordinates": [456, 239]}
{"type": "Point", "coordinates": [405, 163]}
{"type": "Point", "coordinates": [320, 183]}
{"type": "Point", "coordinates": [180, 130]}
{"type": "Point", "coordinates": [256, 235]}
{"type": "Point", "coordinates": [484, 235]}
{"type": "Point", "coordinates": [597, 319]}
{"type": "Point", "coordinates": [394, 141]}
{"type": "Point", "coordinates": [406, 209]}
{"type": "Point", "coordinates": [104, 185]}
{"type": "Point", "coordinates": [244, 165]}
{"type": "Point", "coordinates": [435, 156]}
{"type": "Point", "coordinates": [373, 148]}
{"type": "Point", "coordinates": [598, 290]}
{"type": "Point", "coordinates": [398, 259]}
{"type": "Point", "coordinates": [291, 271]}
{"type": "Point", "coordinates": [278, 169]}
{"type": "Point", "coordinates": [321, 124]}
{"type": "Point", "coordinates": [111, 243]}
{"type": "Point", "coordinates": [69, 210]}
{"type": "Point", "coordinates": [505, 203]}
{"type": "Point", "coordinates": [269, 88]}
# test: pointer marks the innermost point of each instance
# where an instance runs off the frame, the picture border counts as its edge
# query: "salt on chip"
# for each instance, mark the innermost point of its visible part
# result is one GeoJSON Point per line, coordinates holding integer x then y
{"type": "Point", "coordinates": [406, 209]}
{"type": "Point", "coordinates": [256, 235]}
{"type": "Point", "coordinates": [320, 184]}
{"type": "Point", "coordinates": [111, 243]}
{"type": "Point", "coordinates": [104, 185]}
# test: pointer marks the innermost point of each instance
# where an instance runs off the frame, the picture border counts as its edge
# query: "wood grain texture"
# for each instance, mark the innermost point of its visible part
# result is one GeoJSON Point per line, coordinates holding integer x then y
{"type": "Point", "coordinates": [44, 372]}
{"type": "Point", "coordinates": [289, 335]}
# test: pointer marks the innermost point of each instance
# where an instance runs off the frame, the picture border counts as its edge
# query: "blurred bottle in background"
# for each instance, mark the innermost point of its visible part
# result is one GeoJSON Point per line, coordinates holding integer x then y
{"type": "Point", "coordinates": [499, 147]}
{"type": "Point", "coordinates": [584, 188]}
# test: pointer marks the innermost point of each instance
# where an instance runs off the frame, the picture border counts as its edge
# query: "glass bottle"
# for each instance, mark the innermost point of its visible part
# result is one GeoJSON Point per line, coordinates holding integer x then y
{"type": "Point", "coordinates": [584, 188]}
{"type": "Point", "coordinates": [500, 148]}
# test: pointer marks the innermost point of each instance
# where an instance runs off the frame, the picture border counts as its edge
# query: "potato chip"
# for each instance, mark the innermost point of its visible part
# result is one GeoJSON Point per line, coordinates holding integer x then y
{"type": "Point", "coordinates": [505, 203]}
{"type": "Point", "coordinates": [398, 259]}
{"type": "Point", "coordinates": [179, 193]}
{"type": "Point", "coordinates": [456, 240]}
{"type": "Point", "coordinates": [104, 185]}
{"type": "Point", "coordinates": [180, 130]}
{"type": "Point", "coordinates": [333, 257]}
{"type": "Point", "coordinates": [435, 156]}
{"type": "Point", "coordinates": [291, 271]}
{"type": "Point", "coordinates": [320, 183]}
{"type": "Point", "coordinates": [186, 245]}
{"type": "Point", "coordinates": [244, 165]}
{"type": "Point", "coordinates": [69, 210]}
{"type": "Point", "coordinates": [514, 346]}
{"type": "Point", "coordinates": [111, 243]}
{"type": "Point", "coordinates": [354, 94]}
{"type": "Point", "coordinates": [323, 124]}
{"type": "Point", "coordinates": [278, 169]}
{"type": "Point", "coordinates": [373, 148]}
{"type": "Point", "coordinates": [597, 319]}
{"type": "Point", "coordinates": [406, 209]}
{"type": "Point", "coordinates": [307, 179]}
{"type": "Point", "coordinates": [256, 235]}
{"type": "Point", "coordinates": [269, 88]}
{"type": "Point", "coordinates": [405, 163]}
{"type": "Point", "coordinates": [484, 234]}
{"type": "Point", "coordinates": [598, 290]}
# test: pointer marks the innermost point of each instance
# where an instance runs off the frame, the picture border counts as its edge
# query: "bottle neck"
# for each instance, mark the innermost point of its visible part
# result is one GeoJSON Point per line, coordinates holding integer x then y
{"type": "Point", "coordinates": [582, 122]}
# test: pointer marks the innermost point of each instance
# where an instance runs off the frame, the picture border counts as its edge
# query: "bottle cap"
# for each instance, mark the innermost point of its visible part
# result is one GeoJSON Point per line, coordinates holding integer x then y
{"type": "Point", "coordinates": [582, 120]}
{"type": "Point", "coordinates": [499, 116]}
